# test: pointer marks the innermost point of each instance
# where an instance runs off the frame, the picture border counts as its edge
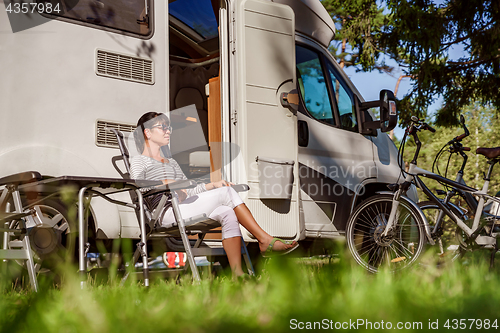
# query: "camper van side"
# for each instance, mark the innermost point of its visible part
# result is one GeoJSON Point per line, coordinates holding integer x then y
{"type": "Point", "coordinates": [273, 108]}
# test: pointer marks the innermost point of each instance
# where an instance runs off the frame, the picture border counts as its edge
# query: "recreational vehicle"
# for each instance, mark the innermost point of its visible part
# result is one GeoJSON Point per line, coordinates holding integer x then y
{"type": "Point", "coordinates": [273, 106]}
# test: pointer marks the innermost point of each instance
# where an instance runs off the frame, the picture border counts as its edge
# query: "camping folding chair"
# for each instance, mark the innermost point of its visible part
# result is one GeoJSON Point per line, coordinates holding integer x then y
{"type": "Point", "coordinates": [198, 225]}
{"type": "Point", "coordinates": [15, 224]}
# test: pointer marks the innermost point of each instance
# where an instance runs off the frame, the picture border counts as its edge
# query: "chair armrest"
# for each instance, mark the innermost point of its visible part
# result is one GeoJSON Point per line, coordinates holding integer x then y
{"type": "Point", "coordinates": [241, 187]}
{"type": "Point", "coordinates": [159, 187]}
{"type": "Point", "coordinates": [21, 178]}
{"type": "Point", "coordinates": [181, 185]}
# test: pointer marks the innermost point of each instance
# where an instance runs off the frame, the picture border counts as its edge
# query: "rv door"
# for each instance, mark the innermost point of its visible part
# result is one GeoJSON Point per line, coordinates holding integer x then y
{"type": "Point", "coordinates": [265, 130]}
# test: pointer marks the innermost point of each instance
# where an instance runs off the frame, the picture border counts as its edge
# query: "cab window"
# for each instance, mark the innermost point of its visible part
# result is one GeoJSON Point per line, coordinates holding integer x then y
{"type": "Point", "coordinates": [344, 100]}
{"type": "Point", "coordinates": [313, 86]}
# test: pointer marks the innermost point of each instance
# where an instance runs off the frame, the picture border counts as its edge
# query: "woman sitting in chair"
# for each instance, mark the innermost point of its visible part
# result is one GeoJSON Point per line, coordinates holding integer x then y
{"type": "Point", "coordinates": [217, 199]}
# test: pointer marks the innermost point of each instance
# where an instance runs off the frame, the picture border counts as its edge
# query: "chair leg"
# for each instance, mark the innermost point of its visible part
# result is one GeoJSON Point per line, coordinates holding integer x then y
{"type": "Point", "coordinates": [185, 239]}
{"type": "Point", "coordinates": [246, 256]}
{"type": "Point", "coordinates": [143, 243]}
{"type": "Point", "coordinates": [5, 236]}
{"type": "Point", "coordinates": [21, 250]}
{"type": "Point", "coordinates": [30, 263]}
{"type": "Point", "coordinates": [142, 248]}
{"type": "Point", "coordinates": [5, 242]}
{"type": "Point", "coordinates": [135, 258]}
{"type": "Point", "coordinates": [26, 246]}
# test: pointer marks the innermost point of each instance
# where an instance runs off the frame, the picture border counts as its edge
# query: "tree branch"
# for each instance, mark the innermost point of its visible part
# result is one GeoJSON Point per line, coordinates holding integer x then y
{"type": "Point", "coordinates": [472, 63]}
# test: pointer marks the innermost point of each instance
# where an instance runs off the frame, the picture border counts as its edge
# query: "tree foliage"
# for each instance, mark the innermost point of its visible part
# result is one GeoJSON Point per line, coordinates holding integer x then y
{"type": "Point", "coordinates": [424, 36]}
{"type": "Point", "coordinates": [359, 26]}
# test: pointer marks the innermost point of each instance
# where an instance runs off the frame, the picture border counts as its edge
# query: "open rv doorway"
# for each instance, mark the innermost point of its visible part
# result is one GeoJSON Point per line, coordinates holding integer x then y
{"type": "Point", "coordinates": [252, 50]}
{"type": "Point", "coordinates": [194, 75]}
{"type": "Point", "coordinates": [197, 34]}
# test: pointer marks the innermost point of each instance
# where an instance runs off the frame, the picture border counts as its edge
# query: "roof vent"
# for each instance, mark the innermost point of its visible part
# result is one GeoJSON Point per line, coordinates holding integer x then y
{"type": "Point", "coordinates": [106, 139]}
{"type": "Point", "coordinates": [124, 67]}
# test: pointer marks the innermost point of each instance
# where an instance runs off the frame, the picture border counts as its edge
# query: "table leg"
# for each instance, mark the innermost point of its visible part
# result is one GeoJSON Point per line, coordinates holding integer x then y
{"type": "Point", "coordinates": [82, 263]}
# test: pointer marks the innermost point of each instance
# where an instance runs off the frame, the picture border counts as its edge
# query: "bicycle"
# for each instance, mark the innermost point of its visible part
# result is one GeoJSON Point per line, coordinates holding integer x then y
{"type": "Point", "coordinates": [448, 236]}
{"type": "Point", "coordinates": [443, 231]}
{"type": "Point", "coordinates": [389, 229]}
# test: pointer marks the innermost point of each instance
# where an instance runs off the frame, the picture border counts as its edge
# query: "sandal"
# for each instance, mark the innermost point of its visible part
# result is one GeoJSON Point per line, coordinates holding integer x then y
{"type": "Point", "coordinates": [270, 252]}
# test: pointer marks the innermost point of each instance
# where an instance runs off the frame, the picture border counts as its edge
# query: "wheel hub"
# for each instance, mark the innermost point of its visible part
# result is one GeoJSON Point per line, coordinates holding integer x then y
{"type": "Point", "coordinates": [44, 240]}
{"type": "Point", "coordinates": [383, 240]}
{"type": "Point", "coordinates": [47, 236]}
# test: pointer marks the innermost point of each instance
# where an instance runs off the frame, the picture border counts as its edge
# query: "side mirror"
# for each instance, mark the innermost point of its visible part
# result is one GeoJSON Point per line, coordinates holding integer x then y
{"type": "Point", "coordinates": [388, 113]}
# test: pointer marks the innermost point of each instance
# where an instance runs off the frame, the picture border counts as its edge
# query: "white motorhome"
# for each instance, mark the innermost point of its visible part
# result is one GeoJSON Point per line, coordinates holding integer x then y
{"type": "Point", "coordinates": [69, 74]}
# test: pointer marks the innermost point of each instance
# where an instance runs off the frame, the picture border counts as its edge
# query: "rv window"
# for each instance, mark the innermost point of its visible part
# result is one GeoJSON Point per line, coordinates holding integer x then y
{"type": "Point", "coordinates": [344, 100]}
{"type": "Point", "coordinates": [312, 85]}
{"type": "Point", "coordinates": [125, 15]}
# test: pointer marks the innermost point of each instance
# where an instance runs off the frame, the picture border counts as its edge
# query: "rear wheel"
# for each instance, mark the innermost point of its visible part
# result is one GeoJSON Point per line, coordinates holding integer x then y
{"type": "Point", "coordinates": [397, 250]}
{"type": "Point", "coordinates": [53, 240]}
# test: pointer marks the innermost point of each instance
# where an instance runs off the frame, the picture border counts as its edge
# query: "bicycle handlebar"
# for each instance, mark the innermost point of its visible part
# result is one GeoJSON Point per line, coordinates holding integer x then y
{"type": "Point", "coordinates": [429, 128]}
{"type": "Point", "coordinates": [415, 125]}
{"type": "Point", "coordinates": [421, 125]}
{"type": "Point", "coordinates": [461, 136]}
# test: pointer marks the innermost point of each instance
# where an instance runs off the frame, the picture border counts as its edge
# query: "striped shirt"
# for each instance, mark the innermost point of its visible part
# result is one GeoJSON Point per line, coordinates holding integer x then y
{"type": "Point", "coordinates": [144, 167]}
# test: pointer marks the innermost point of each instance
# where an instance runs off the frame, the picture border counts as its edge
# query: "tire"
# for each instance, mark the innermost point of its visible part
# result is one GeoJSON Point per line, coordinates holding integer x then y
{"type": "Point", "coordinates": [396, 251]}
{"type": "Point", "coordinates": [450, 239]}
{"type": "Point", "coordinates": [53, 242]}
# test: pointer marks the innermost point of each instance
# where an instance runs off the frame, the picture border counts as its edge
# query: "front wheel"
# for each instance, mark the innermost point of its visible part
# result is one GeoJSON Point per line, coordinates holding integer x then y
{"type": "Point", "coordinates": [397, 250]}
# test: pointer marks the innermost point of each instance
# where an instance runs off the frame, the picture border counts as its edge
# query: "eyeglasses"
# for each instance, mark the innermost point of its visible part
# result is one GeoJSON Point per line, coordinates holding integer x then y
{"type": "Point", "coordinates": [164, 128]}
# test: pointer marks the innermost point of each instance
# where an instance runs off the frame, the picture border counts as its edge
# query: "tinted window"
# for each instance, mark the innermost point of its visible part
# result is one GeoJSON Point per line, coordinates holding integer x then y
{"type": "Point", "coordinates": [124, 15]}
{"type": "Point", "coordinates": [312, 85]}
{"type": "Point", "coordinates": [343, 97]}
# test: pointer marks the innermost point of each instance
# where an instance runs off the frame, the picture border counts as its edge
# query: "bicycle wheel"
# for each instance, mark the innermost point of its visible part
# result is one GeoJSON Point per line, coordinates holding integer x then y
{"type": "Point", "coordinates": [450, 240]}
{"type": "Point", "coordinates": [399, 249]}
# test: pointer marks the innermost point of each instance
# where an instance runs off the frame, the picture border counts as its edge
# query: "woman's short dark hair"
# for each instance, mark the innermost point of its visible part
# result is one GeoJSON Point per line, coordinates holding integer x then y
{"type": "Point", "coordinates": [146, 121]}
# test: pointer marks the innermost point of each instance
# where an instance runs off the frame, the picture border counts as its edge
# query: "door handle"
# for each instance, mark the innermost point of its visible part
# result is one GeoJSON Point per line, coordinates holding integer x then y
{"type": "Point", "coordinates": [290, 100]}
{"type": "Point", "coordinates": [303, 133]}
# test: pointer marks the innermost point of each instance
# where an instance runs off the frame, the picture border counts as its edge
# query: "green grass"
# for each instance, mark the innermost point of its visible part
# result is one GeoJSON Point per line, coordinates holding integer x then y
{"type": "Point", "coordinates": [305, 290]}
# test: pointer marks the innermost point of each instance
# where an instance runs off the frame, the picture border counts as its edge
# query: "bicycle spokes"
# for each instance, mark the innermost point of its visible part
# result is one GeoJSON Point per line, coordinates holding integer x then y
{"type": "Point", "coordinates": [373, 247]}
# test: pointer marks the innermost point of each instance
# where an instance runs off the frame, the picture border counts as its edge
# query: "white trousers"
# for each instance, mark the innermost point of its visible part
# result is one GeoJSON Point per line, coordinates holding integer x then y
{"type": "Point", "coordinates": [218, 204]}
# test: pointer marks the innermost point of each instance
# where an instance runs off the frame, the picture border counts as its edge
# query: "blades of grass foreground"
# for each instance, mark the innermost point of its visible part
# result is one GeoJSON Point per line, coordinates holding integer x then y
{"type": "Point", "coordinates": [287, 290]}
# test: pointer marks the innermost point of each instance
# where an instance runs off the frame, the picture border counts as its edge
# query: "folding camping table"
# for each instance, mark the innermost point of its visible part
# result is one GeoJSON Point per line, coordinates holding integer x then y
{"type": "Point", "coordinates": [103, 187]}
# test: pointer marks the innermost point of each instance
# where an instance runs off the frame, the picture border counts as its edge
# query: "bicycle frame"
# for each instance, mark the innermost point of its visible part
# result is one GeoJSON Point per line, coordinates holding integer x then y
{"type": "Point", "coordinates": [414, 174]}
{"type": "Point", "coordinates": [470, 200]}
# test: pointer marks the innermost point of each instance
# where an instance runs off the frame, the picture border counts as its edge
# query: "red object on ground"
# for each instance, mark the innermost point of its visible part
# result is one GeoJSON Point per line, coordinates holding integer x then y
{"type": "Point", "coordinates": [171, 259]}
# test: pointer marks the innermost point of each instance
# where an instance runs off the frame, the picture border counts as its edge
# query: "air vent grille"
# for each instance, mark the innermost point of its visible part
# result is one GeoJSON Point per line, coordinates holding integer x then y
{"type": "Point", "coordinates": [125, 67]}
{"type": "Point", "coordinates": [107, 139]}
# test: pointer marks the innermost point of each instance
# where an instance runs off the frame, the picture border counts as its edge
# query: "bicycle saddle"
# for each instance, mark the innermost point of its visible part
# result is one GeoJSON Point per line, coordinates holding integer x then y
{"type": "Point", "coordinates": [489, 152]}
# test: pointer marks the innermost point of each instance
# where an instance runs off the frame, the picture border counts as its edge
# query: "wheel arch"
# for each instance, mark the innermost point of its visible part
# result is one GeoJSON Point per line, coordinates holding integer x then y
{"type": "Point", "coordinates": [411, 203]}
{"type": "Point", "coordinates": [368, 188]}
